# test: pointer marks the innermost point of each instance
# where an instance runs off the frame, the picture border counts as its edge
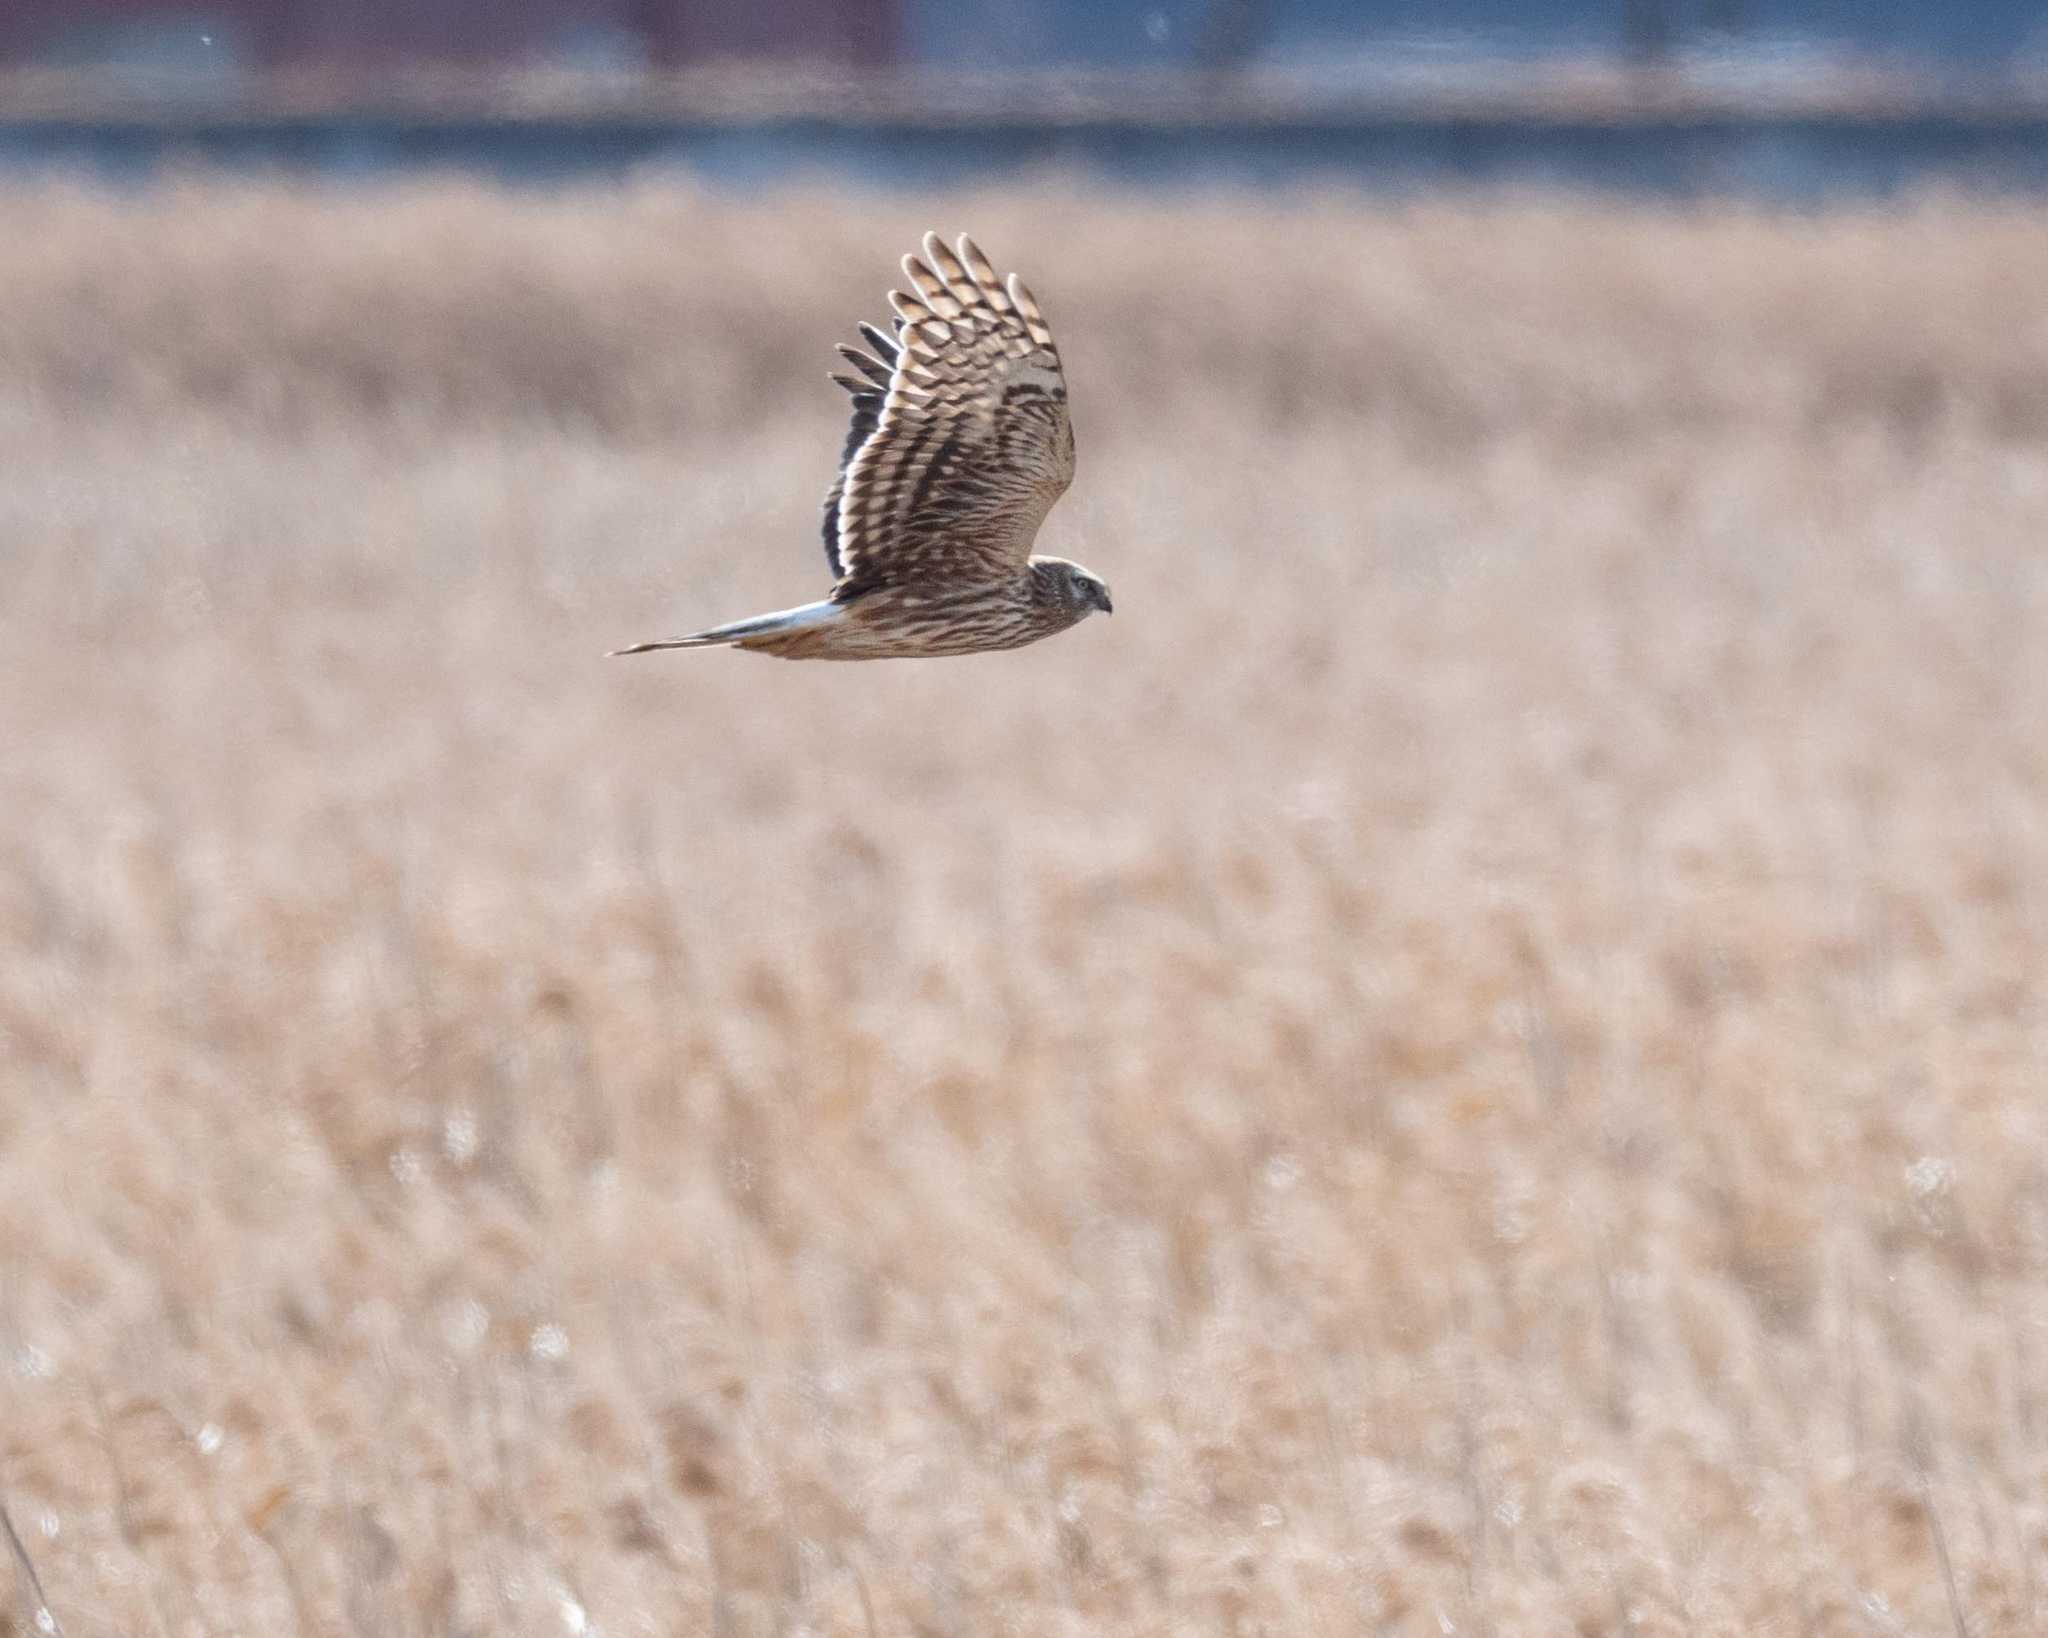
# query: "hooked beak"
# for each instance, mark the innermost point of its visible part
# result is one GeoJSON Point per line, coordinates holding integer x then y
{"type": "Point", "coordinates": [1102, 599]}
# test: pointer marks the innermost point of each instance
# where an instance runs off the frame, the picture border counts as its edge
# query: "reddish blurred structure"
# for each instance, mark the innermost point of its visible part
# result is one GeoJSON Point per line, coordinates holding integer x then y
{"type": "Point", "coordinates": [382, 33]}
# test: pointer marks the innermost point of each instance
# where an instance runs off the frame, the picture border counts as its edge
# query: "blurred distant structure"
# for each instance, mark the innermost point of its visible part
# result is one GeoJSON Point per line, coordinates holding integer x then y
{"type": "Point", "coordinates": [1784, 99]}
{"type": "Point", "coordinates": [371, 34]}
{"type": "Point", "coordinates": [231, 37]}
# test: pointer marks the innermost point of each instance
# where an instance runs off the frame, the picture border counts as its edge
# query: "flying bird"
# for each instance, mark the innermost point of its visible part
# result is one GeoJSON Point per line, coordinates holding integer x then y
{"type": "Point", "coordinates": [959, 446]}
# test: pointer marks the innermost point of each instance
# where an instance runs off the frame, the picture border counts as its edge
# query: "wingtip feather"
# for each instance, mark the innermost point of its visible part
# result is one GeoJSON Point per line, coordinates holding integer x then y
{"type": "Point", "coordinates": [931, 288]}
{"type": "Point", "coordinates": [947, 264]}
{"type": "Point", "coordinates": [912, 310]}
{"type": "Point", "coordinates": [874, 369]}
{"type": "Point", "coordinates": [884, 346]}
{"type": "Point", "coordinates": [982, 269]}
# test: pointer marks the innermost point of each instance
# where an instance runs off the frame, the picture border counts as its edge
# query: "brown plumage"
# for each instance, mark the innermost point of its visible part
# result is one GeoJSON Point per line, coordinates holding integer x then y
{"type": "Point", "coordinates": [959, 446]}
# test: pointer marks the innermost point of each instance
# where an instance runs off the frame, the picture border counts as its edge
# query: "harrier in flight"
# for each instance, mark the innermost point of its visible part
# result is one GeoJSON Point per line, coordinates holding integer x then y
{"type": "Point", "coordinates": [960, 445]}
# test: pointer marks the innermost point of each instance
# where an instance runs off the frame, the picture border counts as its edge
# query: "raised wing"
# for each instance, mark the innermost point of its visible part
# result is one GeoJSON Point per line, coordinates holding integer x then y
{"type": "Point", "coordinates": [960, 441]}
{"type": "Point", "coordinates": [868, 390]}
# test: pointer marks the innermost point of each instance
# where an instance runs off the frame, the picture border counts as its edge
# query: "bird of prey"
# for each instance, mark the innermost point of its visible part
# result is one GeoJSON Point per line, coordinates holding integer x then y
{"type": "Point", "coordinates": [960, 444]}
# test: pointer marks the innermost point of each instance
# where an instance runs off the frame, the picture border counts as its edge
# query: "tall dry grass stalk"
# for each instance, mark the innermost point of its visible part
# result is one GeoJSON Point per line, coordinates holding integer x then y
{"type": "Point", "coordinates": [1471, 1062]}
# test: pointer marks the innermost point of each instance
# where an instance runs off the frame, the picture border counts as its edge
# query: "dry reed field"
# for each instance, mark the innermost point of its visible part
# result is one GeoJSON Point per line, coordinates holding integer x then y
{"type": "Point", "coordinates": [1472, 1062]}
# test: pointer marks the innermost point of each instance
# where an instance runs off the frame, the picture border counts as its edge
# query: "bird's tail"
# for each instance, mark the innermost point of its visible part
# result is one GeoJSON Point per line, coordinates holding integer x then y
{"type": "Point", "coordinates": [761, 631]}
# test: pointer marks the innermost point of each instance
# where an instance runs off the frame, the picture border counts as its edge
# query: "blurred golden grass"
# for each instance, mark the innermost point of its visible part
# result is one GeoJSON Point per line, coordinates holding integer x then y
{"type": "Point", "coordinates": [1471, 1062]}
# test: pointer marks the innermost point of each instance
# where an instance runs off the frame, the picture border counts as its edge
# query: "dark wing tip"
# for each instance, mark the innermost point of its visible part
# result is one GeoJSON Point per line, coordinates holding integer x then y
{"type": "Point", "coordinates": [884, 346]}
{"type": "Point", "coordinates": [872, 368]}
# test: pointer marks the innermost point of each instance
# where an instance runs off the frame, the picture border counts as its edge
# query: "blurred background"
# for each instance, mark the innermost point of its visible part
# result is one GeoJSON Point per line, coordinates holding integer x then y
{"type": "Point", "coordinates": [1471, 1062]}
{"type": "Point", "coordinates": [1783, 97]}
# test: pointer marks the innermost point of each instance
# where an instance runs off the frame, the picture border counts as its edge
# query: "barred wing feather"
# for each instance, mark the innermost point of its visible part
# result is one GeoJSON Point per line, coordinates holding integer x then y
{"type": "Point", "coordinates": [868, 390]}
{"type": "Point", "coordinates": [960, 441]}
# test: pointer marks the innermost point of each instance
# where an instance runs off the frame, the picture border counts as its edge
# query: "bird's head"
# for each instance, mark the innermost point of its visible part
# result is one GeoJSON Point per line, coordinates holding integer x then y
{"type": "Point", "coordinates": [1073, 587]}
